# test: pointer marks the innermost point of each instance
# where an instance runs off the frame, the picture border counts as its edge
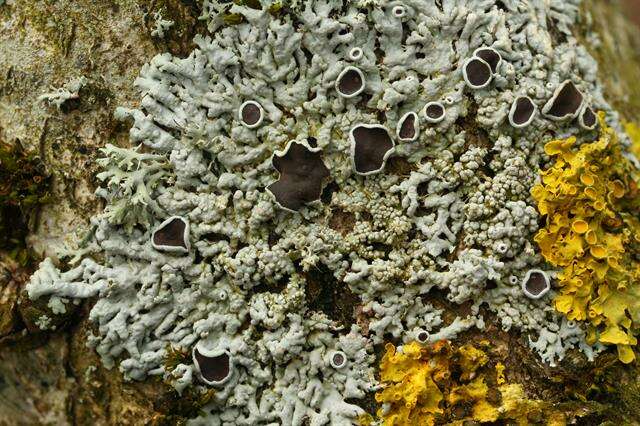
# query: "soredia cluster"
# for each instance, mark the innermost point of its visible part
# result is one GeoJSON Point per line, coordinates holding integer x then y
{"type": "Point", "coordinates": [384, 149]}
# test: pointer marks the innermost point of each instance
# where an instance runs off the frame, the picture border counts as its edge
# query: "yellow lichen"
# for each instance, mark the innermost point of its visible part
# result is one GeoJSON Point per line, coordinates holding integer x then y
{"type": "Point", "coordinates": [410, 388]}
{"type": "Point", "coordinates": [470, 360]}
{"type": "Point", "coordinates": [365, 419]}
{"type": "Point", "coordinates": [591, 202]}
{"type": "Point", "coordinates": [500, 379]}
{"type": "Point", "coordinates": [427, 385]}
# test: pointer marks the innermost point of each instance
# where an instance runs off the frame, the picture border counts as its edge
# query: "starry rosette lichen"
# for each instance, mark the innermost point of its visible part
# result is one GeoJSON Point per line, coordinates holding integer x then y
{"type": "Point", "coordinates": [131, 179]}
{"type": "Point", "coordinates": [313, 178]}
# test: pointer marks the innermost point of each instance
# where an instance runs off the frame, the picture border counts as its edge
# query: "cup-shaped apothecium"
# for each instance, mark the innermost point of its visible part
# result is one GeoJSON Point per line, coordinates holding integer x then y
{"type": "Point", "coordinates": [338, 359]}
{"type": "Point", "coordinates": [490, 56]}
{"type": "Point", "coordinates": [350, 82]}
{"type": "Point", "coordinates": [371, 145]}
{"type": "Point", "coordinates": [536, 284]}
{"type": "Point", "coordinates": [172, 235]}
{"type": "Point", "coordinates": [422, 336]}
{"type": "Point", "coordinates": [214, 367]}
{"type": "Point", "coordinates": [566, 102]}
{"type": "Point", "coordinates": [522, 112]}
{"type": "Point", "coordinates": [477, 73]}
{"type": "Point", "coordinates": [302, 175]}
{"type": "Point", "coordinates": [434, 112]}
{"type": "Point", "coordinates": [408, 128]}
{"type": "Point", "coordinates": [251, 114]}
{"type": "Point", "coordinates": [588, 119]}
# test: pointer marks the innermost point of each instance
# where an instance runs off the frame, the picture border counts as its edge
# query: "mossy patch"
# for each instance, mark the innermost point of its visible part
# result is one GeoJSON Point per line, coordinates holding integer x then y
{"type": "Point", "coordinates": [24, 187]}
{"type": "Point", "coordinates": [181, 407]}
{"type": "Point", "coordinates": [176, 356]}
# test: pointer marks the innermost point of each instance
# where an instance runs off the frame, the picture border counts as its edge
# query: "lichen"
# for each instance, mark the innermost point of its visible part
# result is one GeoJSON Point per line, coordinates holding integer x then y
{"type": "Point", "coordinates": [590, 200]}
{"type": "Point", "coordinates": [131, 179]}
{"type": "Point", "coordinates": [282, 277]}
{"type": "Point", "coordinates": [427, 385]}
{"type": "Point", "coordinates": [69, 91]}
{"type": "Point", "coordinates": [162, 25]}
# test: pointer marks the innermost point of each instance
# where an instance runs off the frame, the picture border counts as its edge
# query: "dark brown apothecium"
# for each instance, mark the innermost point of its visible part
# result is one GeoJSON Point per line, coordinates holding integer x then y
{"type": "Point", "coordinates": [565, 102]}
{"type": "Point", "coordinates": [338, 359]}
{"type": "Point", "coordinates": [172, 235]}
{"type": "Point", "coordinates": [350, 82]}
{"type": "Point", "coordinates": [434, 112]}
{"type": "Point", "coordinates": [251, 114]}
{"type": "Point", "coordinates": [371, 145]}
{"type": "Point", "coordinates": [477, 73]}
{"type": "Point", "coordinates": [214, 370]}
{"type": "Point", "coordinates": [536, 284]}
{"type": "Point", "coordinates": [302, 174]}
{"type": "Point", "coordinates": [408, 127]}
{"type": "Point", "coordinates": [588, 119]}
{"type": "Point", "coordinates": [522, 112]}
{"type": "Point", "coordinates": [490, 56]}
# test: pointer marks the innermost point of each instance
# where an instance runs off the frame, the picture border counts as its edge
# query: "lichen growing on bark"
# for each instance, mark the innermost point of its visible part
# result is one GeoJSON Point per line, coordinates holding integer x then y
{"type": "Point", "coordinates": [591, 201]}
{"type": "Point", "coordinates": [455, 194]}
{"type": "Point", "coordinates": [439, 383]}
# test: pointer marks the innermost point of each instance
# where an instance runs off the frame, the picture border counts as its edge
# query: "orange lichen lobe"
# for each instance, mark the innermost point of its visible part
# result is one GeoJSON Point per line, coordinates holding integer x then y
{"type": "Point", "coordinates": [590, 200]}
{"type": "Point", "coordinates": [443, 384]}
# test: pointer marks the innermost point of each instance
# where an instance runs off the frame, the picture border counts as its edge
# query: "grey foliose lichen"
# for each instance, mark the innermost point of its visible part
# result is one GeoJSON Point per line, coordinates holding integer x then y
{"type": "Point", "coordinates": [161, 25]}
{"type": "Point", "coordinates": [70, 90]}
{"type": "Point", "coordinates": [443, 213]}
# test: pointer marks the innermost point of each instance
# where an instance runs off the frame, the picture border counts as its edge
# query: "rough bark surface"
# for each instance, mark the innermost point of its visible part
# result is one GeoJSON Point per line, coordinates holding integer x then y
{"type": "Point", "coordinates": [54, 378]}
